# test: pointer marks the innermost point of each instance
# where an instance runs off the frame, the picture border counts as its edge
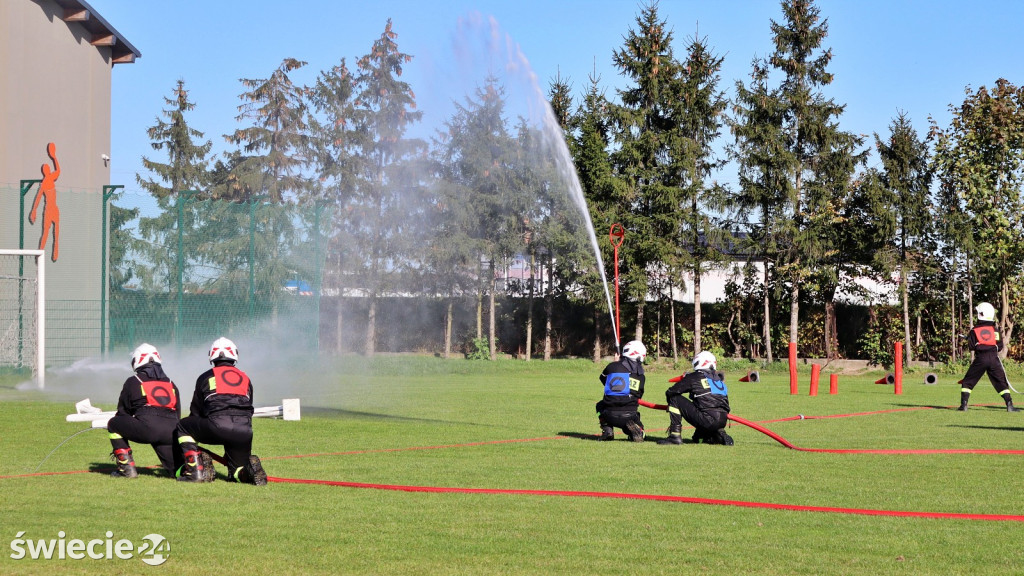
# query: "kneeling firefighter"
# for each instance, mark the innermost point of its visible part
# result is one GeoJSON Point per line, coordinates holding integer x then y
{"type": "Point", "coordinates": [221, 413]}
{"type": "Point", "coordinates": [147, 411]}
{"type": "Point", "coordinates": [706, 408]}
{"type": "Point", "coordinates": [623, 386]}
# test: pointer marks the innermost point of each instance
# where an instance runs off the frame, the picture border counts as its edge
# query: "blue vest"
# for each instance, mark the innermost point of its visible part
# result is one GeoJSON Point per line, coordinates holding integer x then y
{"type": "Point", "coordinates": [717, 387]}
{"type": "Point", "coordinates": [616, 384]}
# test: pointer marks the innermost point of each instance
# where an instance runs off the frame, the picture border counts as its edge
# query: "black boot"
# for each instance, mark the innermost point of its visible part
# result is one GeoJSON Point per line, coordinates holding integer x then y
{"type": "Point", "coordinates": [125, 464]}
{"type": "Point", "coordinates": [636, 431]}
{"type": "Point", "coordinates": [198, 468]}
{"type": "Point", "coordinates": [724, 439]}
{"type": "Point", "coordinates": [675, 436]}
{"type": "Point", "coordinates": [607, 433]}
{"type": "Point", "coordinates": [1011, 408]}
{"type": "Point", "coordinates": [252, 473]}
{"type": "Point", "coordinates": [963, 407]}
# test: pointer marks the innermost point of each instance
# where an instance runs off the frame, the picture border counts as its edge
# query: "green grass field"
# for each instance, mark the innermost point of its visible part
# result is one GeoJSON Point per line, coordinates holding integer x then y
{"type": "Point", "coordinates": [364, 422]}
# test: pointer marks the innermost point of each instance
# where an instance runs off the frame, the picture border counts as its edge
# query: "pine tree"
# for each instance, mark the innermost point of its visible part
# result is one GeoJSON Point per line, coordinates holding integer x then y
{"type": "Point", "coordinates": [907, 179]}
{"type": "Point", "coordinates": [387, 205]}
{"type": "Point", "coordinates": [643, 122]}
{"type": "Point", "coordinates": [698, 115]}
{"type": "Point", "coordinates": [606, 195]}
{"type": "Point", "coordinates": [279, 131]}
{"type": "Point", "coordinates": [813, 143]}
{"type": "Point", "coordinates": [185, 170]}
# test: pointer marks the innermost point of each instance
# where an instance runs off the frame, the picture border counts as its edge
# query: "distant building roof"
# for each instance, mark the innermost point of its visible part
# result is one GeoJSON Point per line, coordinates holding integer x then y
{"type": "Point", "coordinates": [103, 34]}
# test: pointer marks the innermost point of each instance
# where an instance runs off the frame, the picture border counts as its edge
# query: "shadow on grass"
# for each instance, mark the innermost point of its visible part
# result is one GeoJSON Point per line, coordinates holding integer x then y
{"type": "Point", "coordinates": [582, 436]}
{"type": "Point", "coordinates": [1004, 428]}
{"type": "Point", "coordinates": [106, 468]}
{"type": "Point", "coordinates": [337, 413]}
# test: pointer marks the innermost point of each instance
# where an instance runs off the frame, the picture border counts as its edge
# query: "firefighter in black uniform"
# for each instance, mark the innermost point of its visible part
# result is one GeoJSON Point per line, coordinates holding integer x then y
{"type": "Point", "coordinates": [984, 340]}
{"type": "Point", "coordinates": [221, 413]}
{"type": "Point", "coordinates": [623, 386]}
{"type": "Point", "coordinates": [147, 411]}
{"type": "Point", "coordinates": [706, 408]}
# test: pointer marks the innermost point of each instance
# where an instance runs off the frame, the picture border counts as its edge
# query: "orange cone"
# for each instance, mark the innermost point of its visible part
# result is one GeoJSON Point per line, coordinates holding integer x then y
{"type": "Point", "coordinates": [889, 379]}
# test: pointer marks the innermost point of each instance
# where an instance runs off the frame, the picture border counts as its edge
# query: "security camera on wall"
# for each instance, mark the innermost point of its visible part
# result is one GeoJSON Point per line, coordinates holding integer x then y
{"type": "Point", "coordinates": [106, 159]}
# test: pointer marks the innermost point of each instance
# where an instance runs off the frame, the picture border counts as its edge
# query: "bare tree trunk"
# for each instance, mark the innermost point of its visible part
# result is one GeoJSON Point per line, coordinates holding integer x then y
{"type": "Point", "coordinates": [672, 328]}
{"type": "Point", "coordinates": [492, 343]}
{"type": "Point", "coordinates": [767, 317]}
{"type": "Point", "coordinates": [831, 333]}
{"type": "Point", "coordinates": [906, 313]}
{"type": "Point", "coordinates": [480, 304]}
{"type": "Point", "coordinates": [1005, 318]}
{"type": "Point", "coordinates": [597, 335]}
{"type": "Point", "coordinates": [638, 334]}
{"type": "Point", "coordinates": [697, 349]}
{"type": "Point", "coordinates": [339, 332]}
{"type": "Point", "coordinates": [529, 315]}
{"type": "Point", "coordinates": [657, 329]}
{"type": "Point", "coordinates": [448, 328]}
{"type": "Point", "coordinates": [952, 318]}
{"type": "Point", "coordinates": [371, 327]}
{"type": "Point", "coordinates": [548, 308]}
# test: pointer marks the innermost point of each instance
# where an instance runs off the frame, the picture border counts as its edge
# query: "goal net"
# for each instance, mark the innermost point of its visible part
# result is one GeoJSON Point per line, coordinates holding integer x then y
{"type": "Point", "coordinates": [22, 313]}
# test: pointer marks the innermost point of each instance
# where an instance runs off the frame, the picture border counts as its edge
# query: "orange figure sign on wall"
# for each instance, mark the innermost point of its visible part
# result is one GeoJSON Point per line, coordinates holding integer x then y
{"type": "Point", "coordinates": [48, 192]}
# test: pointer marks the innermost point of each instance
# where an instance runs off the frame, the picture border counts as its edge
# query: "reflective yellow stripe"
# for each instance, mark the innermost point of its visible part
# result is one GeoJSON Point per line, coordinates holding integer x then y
{"type": "Point", "coordinates": [674, 410]}
{"type": "Point", "coordinates": [965, 390]}
{"type": "Point", "coordinates": [213, 383]}
{"type": "Point", "coordinates": [1005, 392]}
{"type": "Point", "coordinates": [183, 439]}
{"type": "Point", "coordinates": [115, 436]}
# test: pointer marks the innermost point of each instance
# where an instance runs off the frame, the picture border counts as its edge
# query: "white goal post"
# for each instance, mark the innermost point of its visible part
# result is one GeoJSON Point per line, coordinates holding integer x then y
{"type": "Point", "coordinates": [23, 311]}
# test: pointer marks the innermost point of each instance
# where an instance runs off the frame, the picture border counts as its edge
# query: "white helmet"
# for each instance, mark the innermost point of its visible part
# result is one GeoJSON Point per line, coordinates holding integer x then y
{"type": "Point", "coordinates": [705, 361]}
{"type": "Point", "coordinates": [143, 355]}
{"type": "Point", "coordinates": [986, 312]}
{"type": "Point", "coordinates": [636, 350]}
{"type": "Point", "coordinates": [224, 349]}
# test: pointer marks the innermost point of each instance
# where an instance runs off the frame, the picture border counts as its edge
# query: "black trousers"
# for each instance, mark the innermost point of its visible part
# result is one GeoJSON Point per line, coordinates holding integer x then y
{"type": "Point", "coordinates": [233, 432]}
{"type": "Point", "coordinates": [986, 362]}
{"type": "Point", "coordinates": [618, 417]}
{"type": "Point", "coordinates": [148, 427]}
{"type": "Point", "coordinates": [681, 408]}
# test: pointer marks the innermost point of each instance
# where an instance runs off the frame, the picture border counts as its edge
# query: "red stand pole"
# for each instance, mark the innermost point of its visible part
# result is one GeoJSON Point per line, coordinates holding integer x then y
{"type": "Point", "coordinates": [615, 235]}
{"type": "Point", "coordinates": [617, 322]}
{"type": "Point", "coordinates": [898, 388]}
{"type": "Point", "coordinates": [833, 384]}
{"type": "Point", "coordinates": [815, 373]}
{"type": "Point", "coordinates": [792, 368]}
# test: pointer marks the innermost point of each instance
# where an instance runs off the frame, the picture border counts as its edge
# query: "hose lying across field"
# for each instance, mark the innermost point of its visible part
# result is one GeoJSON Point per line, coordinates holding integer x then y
{"type": "Point", "coordinates": [792, 446]}
{"type": "Point", "coordinates": [655, 497]}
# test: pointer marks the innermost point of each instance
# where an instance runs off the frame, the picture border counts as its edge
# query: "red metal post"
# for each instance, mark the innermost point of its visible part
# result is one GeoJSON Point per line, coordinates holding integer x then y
{"type": "Point", "coordinates": [815, 374]}
{"type": "Point", "coordinates": [615, 235]}
{"type": "Point", "coordinates": [792, 368]}
{"type": "Point", "coordinates": [833, 384]}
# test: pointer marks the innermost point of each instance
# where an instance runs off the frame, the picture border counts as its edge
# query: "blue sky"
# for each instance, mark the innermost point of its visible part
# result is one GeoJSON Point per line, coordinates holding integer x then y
{"type": "Point", "coordinates": [888, 55]}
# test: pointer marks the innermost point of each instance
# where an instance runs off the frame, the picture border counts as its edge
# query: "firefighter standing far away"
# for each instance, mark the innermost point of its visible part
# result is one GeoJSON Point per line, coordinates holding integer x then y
{"type": "Point", "coordinates": [221, 413]}
{"type": "Point", "coordinates": [706, 408]}
{"type": "Point", "coordinates": [985, 342]}
{"type": "Point", "coordinates": [147, 411]}
{"type": "Point", "coordinates": [623, 386]}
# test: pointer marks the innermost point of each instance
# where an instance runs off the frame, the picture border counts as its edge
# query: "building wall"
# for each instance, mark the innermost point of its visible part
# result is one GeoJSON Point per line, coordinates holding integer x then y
{"type": "Point", "coordinates": [55, 87]}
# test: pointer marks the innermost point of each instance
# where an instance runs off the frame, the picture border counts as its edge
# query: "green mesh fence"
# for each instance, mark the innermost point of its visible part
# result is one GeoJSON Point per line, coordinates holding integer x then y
{"type": "Point", "coordinates": [179, 271]}
{"type": "Point", "coordinates": [184, 271]}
